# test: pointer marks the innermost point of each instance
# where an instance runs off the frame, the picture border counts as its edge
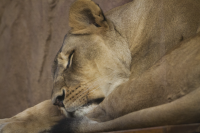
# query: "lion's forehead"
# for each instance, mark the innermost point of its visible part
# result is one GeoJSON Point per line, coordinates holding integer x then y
{"type": "Point", "coordinates": [80, 40]}
{"type": "Point", "coordinates": [86, 46]}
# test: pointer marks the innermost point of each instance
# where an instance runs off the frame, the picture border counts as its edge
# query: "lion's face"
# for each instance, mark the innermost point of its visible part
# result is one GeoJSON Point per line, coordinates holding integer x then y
{"type": "Point", "coordinates": [77, 71]}
{"type": "Point", "coordinates": [85, 70]}
{"type": "Point", "coordinates": [89, 66]}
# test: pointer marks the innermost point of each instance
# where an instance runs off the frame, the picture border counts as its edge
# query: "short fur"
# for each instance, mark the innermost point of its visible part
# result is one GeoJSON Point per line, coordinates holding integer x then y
{"type": "Point", "coordinates": [143, 58]}
{"type": "Point", "coordinates": [39, 118]}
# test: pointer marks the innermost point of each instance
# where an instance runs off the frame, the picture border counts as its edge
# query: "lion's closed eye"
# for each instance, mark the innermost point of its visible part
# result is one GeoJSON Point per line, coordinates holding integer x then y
{"type": "Point", "coordinates": [65, 60]}
{"type": "Point", "coordinates": [70, 59]}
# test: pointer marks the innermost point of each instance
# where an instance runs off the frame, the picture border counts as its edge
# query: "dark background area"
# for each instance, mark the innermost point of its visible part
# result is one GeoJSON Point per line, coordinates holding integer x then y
{"type": "Point", "coordinates": [31, 33]}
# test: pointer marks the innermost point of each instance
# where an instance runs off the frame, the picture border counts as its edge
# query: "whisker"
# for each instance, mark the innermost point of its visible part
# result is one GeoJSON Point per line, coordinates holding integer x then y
{"type": "Point", "coordinates": [82, 105]}
{"type": "Point", "coordinates": [98, 81]}
{"type": "Point", "coordinates": [94, 86]}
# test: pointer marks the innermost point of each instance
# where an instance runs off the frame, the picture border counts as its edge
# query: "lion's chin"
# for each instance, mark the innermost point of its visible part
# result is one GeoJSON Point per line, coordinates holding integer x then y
{"type": "Point", "coordinates": [82, 111]}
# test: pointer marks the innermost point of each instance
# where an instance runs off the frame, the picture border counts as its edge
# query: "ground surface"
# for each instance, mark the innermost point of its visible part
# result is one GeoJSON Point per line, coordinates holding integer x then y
{"type": "Point", "coordinates": [190, 128]}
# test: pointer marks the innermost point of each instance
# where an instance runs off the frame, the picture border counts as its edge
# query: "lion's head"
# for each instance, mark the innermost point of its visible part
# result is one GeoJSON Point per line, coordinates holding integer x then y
{"type": "Point", "coordinates": [93, 60]}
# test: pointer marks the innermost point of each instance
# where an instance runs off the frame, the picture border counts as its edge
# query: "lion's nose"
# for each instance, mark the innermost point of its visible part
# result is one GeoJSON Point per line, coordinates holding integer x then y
{"type": "Point", "coordinates": [59, 100]}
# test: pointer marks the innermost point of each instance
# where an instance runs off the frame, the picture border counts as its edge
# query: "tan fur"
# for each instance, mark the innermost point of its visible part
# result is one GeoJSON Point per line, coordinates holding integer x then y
{"type": "Point", "coordinates": [36, 119]}
{"type": "Point", "coordinates": [143, 58]}
{"type": "Point", "coordinates": [82, 23]}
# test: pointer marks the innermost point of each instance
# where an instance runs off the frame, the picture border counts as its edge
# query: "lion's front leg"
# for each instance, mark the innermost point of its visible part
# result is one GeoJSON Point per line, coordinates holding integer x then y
{"type": "Point", "coordinates": [39, 118]}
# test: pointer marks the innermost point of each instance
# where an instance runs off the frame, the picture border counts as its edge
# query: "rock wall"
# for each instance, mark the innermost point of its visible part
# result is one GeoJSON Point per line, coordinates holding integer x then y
{"type": "Point", "coordinates": [31, 33]}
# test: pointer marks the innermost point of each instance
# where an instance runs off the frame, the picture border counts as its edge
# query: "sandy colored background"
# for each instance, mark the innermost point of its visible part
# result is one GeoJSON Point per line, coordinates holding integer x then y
{"type": "Point", "coordinates": [31, 33]}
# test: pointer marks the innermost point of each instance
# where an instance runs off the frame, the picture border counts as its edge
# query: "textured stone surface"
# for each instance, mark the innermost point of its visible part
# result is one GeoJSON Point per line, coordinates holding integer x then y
{"type": "Point", "coordinates": [31, 33]}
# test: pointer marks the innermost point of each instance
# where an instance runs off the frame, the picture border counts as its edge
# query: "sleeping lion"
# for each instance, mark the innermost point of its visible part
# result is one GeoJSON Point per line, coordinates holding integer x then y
{"type": "Point", "coordinates": [136, 66]}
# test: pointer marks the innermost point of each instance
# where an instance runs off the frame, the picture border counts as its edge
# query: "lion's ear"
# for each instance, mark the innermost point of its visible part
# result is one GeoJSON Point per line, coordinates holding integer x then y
{"type": "Point", "coordinates": [86, 17]}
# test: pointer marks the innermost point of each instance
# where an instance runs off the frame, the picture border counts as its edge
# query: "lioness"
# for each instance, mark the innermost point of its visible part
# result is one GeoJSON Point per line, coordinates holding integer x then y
{"type": "Point", "coordinates": [133, 67]}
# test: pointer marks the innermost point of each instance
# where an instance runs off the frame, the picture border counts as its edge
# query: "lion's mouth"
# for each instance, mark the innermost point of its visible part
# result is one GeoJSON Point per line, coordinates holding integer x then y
{"type": "Point", "coordinates": [94, 101]}
{"type": "Point", "coordinates": [81, 111]}
{"type": "Point", "coordinates": [72, 111]}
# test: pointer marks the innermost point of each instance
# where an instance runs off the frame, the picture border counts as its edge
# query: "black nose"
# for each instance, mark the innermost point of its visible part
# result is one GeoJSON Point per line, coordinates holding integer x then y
{"type": "Point", "coordinates": [59, 100]}
{"type": "Point", "coordinates": [71, 114]}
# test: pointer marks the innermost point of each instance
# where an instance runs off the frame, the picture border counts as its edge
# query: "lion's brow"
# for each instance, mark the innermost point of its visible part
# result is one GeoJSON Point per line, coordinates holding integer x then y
{"type": "Point", "coordinates": [54, 65]}
{"type": "Point", "coordinates": [62, 45]}
{"type": "Point", "coordinates": [59, 51]}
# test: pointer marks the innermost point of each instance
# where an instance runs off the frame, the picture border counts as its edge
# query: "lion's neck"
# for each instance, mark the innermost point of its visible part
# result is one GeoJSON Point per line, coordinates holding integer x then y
{"type": "Point", "coordinates": [148, 27]}
{"type": "Point", "coordinates": [131, 27]}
